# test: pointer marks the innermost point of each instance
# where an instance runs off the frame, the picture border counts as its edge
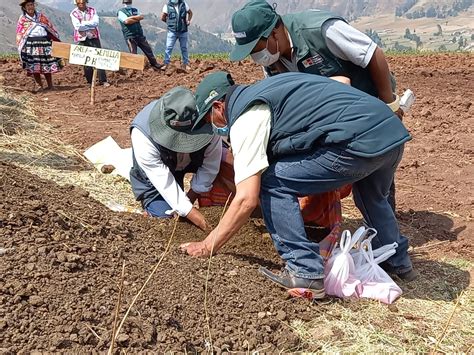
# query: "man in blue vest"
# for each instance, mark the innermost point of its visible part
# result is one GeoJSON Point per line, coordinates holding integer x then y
{"type": "Point", "coordinates": [165, 149]}
{"type": "Point", "coordinates": [314, 42]}
{"type": "Point", "coordinates": [294, 135]}
{"type": "Point", "coordinates": [177, 15]}
{"type": "Point", "coordinates": [129, 18]}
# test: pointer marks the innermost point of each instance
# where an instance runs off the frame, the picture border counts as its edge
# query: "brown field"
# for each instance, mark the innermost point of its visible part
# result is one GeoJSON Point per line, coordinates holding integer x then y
{"type": "Point", "coordinates": [62, 251]}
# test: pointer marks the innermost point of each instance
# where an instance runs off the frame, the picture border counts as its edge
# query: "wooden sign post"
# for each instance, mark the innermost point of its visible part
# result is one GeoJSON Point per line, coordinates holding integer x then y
{"type": "Point", "coordinates": [98, 58]}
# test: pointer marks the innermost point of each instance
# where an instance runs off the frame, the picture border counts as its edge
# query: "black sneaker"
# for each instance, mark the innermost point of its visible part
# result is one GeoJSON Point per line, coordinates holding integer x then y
{"type": "Point", "coordinates": [157, 67]}
{"type": "Point", "coordinates": [407, 276]}
{"type": "Point", "coordinates": [296, 286]}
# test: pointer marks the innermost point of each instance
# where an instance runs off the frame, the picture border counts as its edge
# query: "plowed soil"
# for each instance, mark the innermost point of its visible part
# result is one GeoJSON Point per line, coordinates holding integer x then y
{"type": "Point", "coordinates": [62, 252]}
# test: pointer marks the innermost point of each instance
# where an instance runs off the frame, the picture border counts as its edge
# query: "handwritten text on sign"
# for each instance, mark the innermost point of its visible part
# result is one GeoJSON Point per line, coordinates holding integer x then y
{"type": "Point", "coordinates": [99, 58]}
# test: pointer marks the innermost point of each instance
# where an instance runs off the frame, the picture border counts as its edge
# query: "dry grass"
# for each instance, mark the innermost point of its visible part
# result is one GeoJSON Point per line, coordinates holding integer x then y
{"type": "Point", "coordinates": [415, 323]}
{"type": "Point", "coordinates": [435, 313]}
{"type": "Point", "coordinates": [34, 146]}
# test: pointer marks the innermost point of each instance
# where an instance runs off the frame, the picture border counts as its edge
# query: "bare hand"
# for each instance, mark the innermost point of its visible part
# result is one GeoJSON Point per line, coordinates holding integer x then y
{"type": "Point", "coordinates": [400, 114]}
{"type": "Point", "coordinates": [197, 249]}
{"type": "Point", "coordinates": [198, 219]}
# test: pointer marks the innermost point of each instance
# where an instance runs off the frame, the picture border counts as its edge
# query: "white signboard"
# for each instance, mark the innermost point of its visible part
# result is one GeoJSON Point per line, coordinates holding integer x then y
{"type": "Point", "coordinates": [99, 58]}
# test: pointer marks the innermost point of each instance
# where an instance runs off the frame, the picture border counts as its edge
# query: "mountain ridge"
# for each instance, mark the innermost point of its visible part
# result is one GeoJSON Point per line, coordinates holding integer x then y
{"type": "Point", "coordinates": [215, 16]}
{"type": "Point", "coordinates": [111, 34]}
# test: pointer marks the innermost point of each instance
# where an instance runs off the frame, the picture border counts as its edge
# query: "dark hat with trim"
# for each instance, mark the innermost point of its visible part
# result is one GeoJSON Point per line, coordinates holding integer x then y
{"type": "Point", "coordinates": [172, 119]}
{"type": "Point", "coordinates": [213, 87]}
{"type": "Point", "coordinates": [24, 2]}
{"type": "Point", "coordinates": [255, 20]}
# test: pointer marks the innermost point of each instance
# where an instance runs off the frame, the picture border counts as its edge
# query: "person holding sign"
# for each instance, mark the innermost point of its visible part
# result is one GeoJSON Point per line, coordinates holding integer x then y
{"type": "Point", "coordinates": [129, 18]}
{"type": "Point", "coordinates": [165, 149]}
{"type": "Point", "coordinates": [34, 33]}
{"type": "Point", "coordinates": [86, 33]}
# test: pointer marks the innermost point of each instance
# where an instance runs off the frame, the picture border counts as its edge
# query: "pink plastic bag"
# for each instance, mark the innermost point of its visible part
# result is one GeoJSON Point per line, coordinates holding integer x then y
{"type": "Point", "coordinates": [339, 270]}
{"type": "Point", "coordinates": [375, 282]}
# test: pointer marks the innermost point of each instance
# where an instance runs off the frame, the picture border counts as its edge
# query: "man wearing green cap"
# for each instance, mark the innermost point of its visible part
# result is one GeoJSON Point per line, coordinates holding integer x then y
{"type": "Point", "coordinates": [314, 42]}
{"type": "Point", "coordinates": [165, 149]}
{"type": "Point", "coordinates": [294, 135]}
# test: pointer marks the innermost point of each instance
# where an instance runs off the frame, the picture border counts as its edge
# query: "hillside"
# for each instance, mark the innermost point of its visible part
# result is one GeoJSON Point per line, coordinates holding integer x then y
{"type": "Point", "coordinates": [200, 41]}
{"type": "Point", "coordinates": [214, 16]}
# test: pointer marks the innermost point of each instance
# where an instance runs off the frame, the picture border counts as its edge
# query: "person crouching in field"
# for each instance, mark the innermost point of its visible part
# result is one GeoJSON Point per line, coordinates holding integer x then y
{"type": "Point", "coordinates": [294, 135]}
{"type": "Point", "coordinates": [165, 149]}
{"type": "Point", "coordinates": [34, 33]}
{"type": "Point", "coordinates": [86, 33]}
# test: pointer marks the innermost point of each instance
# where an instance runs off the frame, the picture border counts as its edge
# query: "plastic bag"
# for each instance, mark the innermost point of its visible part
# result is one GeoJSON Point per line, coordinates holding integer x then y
{"type": "Point", "coordinates": [363, 234]}
{"type": "Point", "coordinates": [339, 270]}
{"type": "Point", "coordinates": [375, 282]}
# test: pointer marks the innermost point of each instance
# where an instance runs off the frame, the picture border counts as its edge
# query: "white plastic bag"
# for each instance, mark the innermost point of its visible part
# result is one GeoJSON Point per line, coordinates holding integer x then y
{"type": "Point", "coordinates": [375, 282]}
{"type": "Point", "coordinates": [364, 234]}
{"type": "Point", "coordinates": [339, 270]}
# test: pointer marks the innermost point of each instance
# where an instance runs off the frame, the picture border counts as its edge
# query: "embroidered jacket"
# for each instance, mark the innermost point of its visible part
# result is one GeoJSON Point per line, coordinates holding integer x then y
{"type": "Point", "coordinates": [26, 24]}
{"type": "Point", "coordinates": [86, 24]}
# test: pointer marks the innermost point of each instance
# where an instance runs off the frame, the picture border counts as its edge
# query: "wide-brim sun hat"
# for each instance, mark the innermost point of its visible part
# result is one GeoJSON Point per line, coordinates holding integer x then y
{"type": "Point", "coordinates": [254, 21]}
{"type": "Point", "coordinates": [172, 119]}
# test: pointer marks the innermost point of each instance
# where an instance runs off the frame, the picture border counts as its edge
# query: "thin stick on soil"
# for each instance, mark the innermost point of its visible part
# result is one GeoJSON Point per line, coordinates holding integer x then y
{"type": "Point", "coordinates": [206, 311]}
{"type": "Point", "coordinates": [117, 310]}
{"type": "Point", "coordinates": [447, 324]}
{"type": "Point", "coordinates": [148, 279]}
{"type": "Point", "coordinates": [93, 332]}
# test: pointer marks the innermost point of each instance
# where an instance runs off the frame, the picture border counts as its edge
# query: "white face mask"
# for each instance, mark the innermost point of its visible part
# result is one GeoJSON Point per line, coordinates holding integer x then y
{"type": "Point", "coordinates": [264, 57]}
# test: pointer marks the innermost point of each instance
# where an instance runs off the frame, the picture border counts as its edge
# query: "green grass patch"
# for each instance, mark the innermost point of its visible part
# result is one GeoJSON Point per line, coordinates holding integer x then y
{"type": "Point", "coordinates": [459, 263]}
{"type": "Point", "coordinates": [200, 56]}
{"type": "Point", "coordinates": [424, 53]}
{"type": "Point", "coordinates": [9, 55]}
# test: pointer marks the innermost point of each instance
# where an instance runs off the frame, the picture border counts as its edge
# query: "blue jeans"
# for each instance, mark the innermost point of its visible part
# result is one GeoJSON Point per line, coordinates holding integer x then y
{"type": "Point", "coordinates": [171, 38]}
{"type": "Point", "coordinates": [159, 206]}
{"type": "Point", "coordinates": [327, 169]}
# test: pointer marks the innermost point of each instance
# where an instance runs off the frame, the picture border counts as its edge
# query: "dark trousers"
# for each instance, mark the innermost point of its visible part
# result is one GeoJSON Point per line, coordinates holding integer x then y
{"type": "Point", "coordinates": [88, 71]}
{"type": "Point", "coordinates": [142, 43]}
{"type": "Point", "coordinates": [391, 196]}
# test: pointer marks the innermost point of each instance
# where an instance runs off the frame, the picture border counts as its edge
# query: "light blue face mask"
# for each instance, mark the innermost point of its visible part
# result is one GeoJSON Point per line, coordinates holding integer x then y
{"type": "Point", "coordinates": [174, 2]}
{"type": "Point", "coordinates": [220, 131]}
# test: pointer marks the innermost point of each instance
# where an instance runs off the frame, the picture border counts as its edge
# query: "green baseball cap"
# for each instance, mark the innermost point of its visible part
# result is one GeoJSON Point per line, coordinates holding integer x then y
{"type": "Point", "coordinates": [213, 87]}
{"type": "Point", "coordinates": [172, 119]}
{"type": "Point", "coordinates": [255, 20]}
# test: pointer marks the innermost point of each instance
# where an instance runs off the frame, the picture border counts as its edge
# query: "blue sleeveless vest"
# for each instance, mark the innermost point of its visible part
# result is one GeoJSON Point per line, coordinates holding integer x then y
{"type": "Point", "coordinates": [176, 21]}
{"type": "Point", "coordinates": [314, 57]}
{"type": "Point", "coordinates": [310, 111]}
{"type": "Point", "coordinates": [142, 187]}
{"type": "Point", "coordinates": [133, 30]}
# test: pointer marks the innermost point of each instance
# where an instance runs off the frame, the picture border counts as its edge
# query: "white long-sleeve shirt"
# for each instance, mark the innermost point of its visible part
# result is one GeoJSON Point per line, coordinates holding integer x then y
{"type": "Point", "coordinates": [149, 160]}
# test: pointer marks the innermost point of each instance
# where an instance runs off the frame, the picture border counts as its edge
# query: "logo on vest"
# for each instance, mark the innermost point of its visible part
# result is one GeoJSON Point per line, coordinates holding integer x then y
{"type": "Point", "coordinates": [212, 95]}
{"type": "Point", "coordinates": [314, 60]}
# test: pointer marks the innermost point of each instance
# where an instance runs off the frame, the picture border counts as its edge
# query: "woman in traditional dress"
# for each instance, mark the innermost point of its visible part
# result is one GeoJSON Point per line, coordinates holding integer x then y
{"type": "Point", "coordinates": [34, 34]}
